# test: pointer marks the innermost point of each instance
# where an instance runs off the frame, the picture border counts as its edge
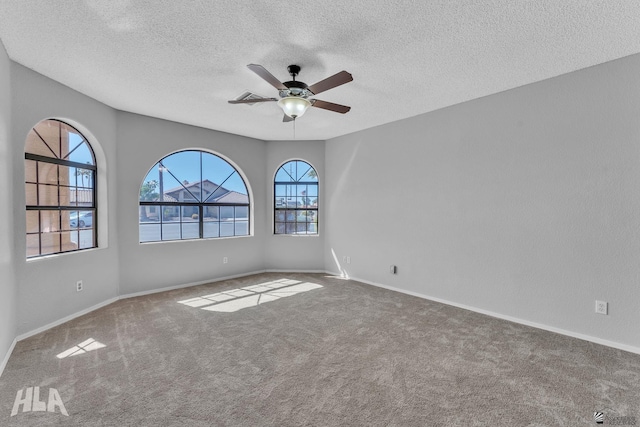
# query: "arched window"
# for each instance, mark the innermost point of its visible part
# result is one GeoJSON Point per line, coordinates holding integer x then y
{"type": "Point", "coordinates": [60, 190]}
{"type": "Point", "coordinates": [296, 199]}
{"type": "Point", "coordinates": [193, 195]}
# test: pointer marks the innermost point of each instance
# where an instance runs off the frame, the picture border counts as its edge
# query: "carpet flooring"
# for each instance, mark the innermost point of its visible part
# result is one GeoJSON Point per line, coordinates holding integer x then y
{"type": "Point", "coordinates": [280, 349]}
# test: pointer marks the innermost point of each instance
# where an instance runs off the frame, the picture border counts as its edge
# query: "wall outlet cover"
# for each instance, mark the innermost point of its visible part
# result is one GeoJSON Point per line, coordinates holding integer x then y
{"type": "Point", "coordinates": [602, 307]}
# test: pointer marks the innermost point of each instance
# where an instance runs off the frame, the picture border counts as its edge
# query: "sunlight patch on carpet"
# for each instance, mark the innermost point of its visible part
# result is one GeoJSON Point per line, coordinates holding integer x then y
{"type": "Point", "coordinates": [83, 347]}
{"type": "Point", "coordinates": [250, 296]}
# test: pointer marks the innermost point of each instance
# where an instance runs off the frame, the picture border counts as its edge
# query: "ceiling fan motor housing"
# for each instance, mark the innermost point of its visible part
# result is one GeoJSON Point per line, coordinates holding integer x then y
{"type": "Point", "coordinates": [295, 88]}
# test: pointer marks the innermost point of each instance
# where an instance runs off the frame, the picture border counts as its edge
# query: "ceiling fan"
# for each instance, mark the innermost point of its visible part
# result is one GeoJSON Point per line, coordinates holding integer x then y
{"type": "Point", "coordinates": [294, 95]}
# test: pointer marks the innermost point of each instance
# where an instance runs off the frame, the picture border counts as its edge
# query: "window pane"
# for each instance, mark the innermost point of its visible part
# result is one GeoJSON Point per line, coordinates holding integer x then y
{"type": "Point", "coordinates": [290, 216]}
{"type": "Point", "coordinates": [49, 221]}
{"type": "Point", "coordinates": [77, 177]}
{"type": "Point", "coordinates": [281, 190]}
{"type": "Point", "coordinates": [242, 228]}
{"type": "Point", "coordinates": [279, 215]}
{"type": "Point", "coordinates": [171, 231]}
{"type": "Point", "coordinates": [280, 228]}
{"type": "Point", "coordinates": [50, 243]}
{"type": "Point", "coordinates": [226, 213]}
{"type": "Point", "coordinates": [49, 131]}
{"type": "Point", "coordinates": [81, 152]}
{"type": "Point", "coordinates": [81, 219]}
{"type": "Point", "coordinates": [66, 217]}
{"type": "Point", "coordinates": [180, 176]}
{"type": "Point", "coordinates": [149, 232]}
{"type": "Point", "coordinates": [190, 222]}
{"type": "Point", "coordinates": [312, 190]}
{"type": "Point", "coordinates": [226, 229]}
{"type": "Point", "coordinates": [242, 212]}
{"type": "Point", "coordinates": [47, 173]}
{"type": "Point", "coordinates": [74, 237]}
{"type": "Point", "coordinates": [211, 212]}
{"type": "Point", "coordinates": [149, 191]}
{"type": "Point", "coordinates": [174, 190]}
{"type": "Point", "coordinates": [48, 195]}
{"type": "Point", "coordinates": [33, 245]}
{"type": "Point", "coordinates": [211, 229]}
{"type": "Point", "coordinates": [65, 196]}
{"type": "Point", "coordinates": [191, 230]}
{"type": "Point", "coordinates": [31, 194]}
{"type": "Point", "coordinates": [311, 175]}
{"type": "Point", "coordinates": [170, 213]}
{"type": "Point", "coordinates": [86, 238]}
{"type": "Point", "coordinates": [285, 173]}
{"type": "Point", "coordinates": [44, 139]}
{"type": "Point", "coordinates": [33, 222]}
{"type": "Point", "coordinates": [30, 174]}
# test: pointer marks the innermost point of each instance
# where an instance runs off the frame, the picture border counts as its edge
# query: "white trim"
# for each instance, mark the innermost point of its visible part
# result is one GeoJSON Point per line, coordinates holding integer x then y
{"type": "Point", "coordinates": [295, 271]}
{"type": "Point", "coordinates": [66, 319]}
{"type": "Point", "coordinates": [7, 356]}
{"type": "Point", "coordinates": [572, 334]}
{"type": "Point", "coordinates": [138, 294]}
{"type": "Point", "coordinates": [577, 335]}
{"type": "Point", "coordinates": [188, 285]}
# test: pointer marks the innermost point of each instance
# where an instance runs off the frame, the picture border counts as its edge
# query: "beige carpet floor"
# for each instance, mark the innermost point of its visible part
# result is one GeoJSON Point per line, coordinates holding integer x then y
{"type": "Point", "coordinates": [309, 350]}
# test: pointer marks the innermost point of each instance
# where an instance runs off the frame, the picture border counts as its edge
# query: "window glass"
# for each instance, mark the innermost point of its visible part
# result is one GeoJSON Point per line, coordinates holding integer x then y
{"type": "Point", "coordinates": [296, 199]}
{"type": "Point", "coordinates": [60, 175]}
{"type": "Point", "coordinates": [193, 194]}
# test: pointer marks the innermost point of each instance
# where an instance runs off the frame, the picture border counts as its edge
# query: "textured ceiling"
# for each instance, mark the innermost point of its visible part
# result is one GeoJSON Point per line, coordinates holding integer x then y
{"type": "Point", "coordinates": [182, 61]}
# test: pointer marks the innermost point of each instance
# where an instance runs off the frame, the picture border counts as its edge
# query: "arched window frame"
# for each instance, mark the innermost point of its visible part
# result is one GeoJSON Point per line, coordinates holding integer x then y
{"type": "Point", "coordinates": [296, 214]}
{"type": "Point", "coordinates": [157, 209]}
{"type": "Point", "coordinates": [56, 228]}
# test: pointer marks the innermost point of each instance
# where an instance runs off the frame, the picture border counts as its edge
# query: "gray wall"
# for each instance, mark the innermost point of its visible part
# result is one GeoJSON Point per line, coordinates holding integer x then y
{"type": "Point", "coordinates": [8, 288]}
{"type": "Point", "coordinates": [47, 290]}
{"type": "Point", "coordinates": [142, 141]}
{"type": "Point", "coordinates": [294, 252]}
{"type": "Point", "coordinates": [523, 204]}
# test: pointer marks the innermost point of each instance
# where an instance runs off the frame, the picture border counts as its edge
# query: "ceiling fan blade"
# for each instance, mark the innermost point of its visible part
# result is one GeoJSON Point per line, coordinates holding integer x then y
{"type": "Point", "coordinates": [267, 76]}
{"type": "Point", "coordinates": [251, 101]}
{"type": "Point", "coordinates": [286, 119]}
{"type": "Point", "coordinates": [330, 82]}
{"type": "Point", "coordinates": [330, 106]}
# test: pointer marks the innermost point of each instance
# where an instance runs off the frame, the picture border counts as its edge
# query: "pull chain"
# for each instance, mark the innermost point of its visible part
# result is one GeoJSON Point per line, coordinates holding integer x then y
{"type": "Point", "coordinates": [294, 129]}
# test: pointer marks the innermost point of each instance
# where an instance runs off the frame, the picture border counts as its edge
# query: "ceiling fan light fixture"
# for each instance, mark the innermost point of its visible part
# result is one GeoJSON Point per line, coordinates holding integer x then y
{"type": "Point", "coordinates": [294, 106]}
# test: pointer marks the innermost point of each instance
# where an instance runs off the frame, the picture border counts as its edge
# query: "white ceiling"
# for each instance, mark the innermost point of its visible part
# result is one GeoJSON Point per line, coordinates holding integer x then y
{"type": "Point", "coordinates": [182, 61]}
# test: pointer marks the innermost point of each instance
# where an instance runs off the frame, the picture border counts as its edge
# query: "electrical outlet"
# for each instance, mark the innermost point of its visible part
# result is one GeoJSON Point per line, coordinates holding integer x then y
{"type": "Point", "coordinates": [225, 260]}
{"type": "Point", "coordinates": [602, 307]}
{"type": "Point", "coordinates": [348, 260]}
{"type": "Point", "coordinates": [393, 269]}
{"type": "Point", "coordinates": [79, 285]}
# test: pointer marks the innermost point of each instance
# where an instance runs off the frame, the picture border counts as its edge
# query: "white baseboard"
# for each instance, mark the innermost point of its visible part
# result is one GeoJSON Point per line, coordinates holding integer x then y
{"type": "Point", "coordinates": [572, 334]}
{"type": "Point", "coordinates": [560, 331]}
{"type": "Point", "coordinates": [6, 357]}
{"type": "Point", "coordinates": [188, 285]}
{"type": "Point", "coordinates": [66, 319]}
{"type": "Point", "coordinates": [220, 279]}
{"type": "Point", "coordinates": [142, 293]}
{"type": "Point", "coordinates": [295, 271]}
